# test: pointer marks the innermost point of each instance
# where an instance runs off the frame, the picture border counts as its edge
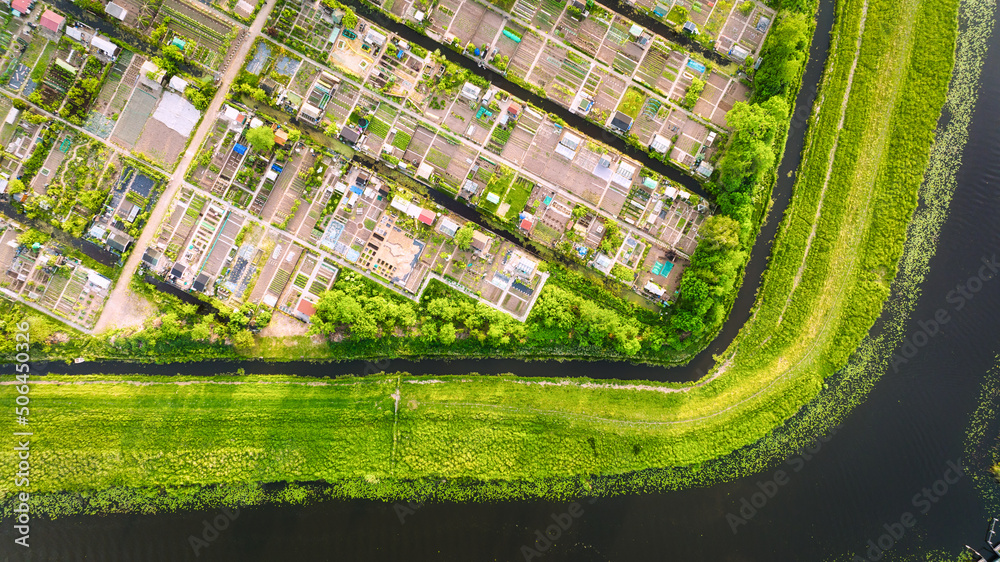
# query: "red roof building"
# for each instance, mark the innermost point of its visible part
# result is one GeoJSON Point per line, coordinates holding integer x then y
{"type": "Point", "coordinates": [307, 308]}
{"type": "Point", "coordinates": [21, 6]}
{"type": "Point", "coordinates": [427, 217]}
{"type": "Point", "coordinates": [280, 137]}
{"type": "Point", "coordinates": [526, 224]}
{"type": "Point", "coordinates": [52, 21]}
{"type": "Point", "coordinates": [514, 109]}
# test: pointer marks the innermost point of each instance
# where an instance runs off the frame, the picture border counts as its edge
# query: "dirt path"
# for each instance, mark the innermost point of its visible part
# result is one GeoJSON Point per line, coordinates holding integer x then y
{"type": "Point", "coordinates": [120, 295]}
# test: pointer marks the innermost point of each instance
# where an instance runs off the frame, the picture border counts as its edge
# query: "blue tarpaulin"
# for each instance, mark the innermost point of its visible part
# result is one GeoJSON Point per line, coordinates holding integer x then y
{"type": "Point", "coordinates": [239, 149]}
{"type": "Point", "coordinates": [695, 65]}
{"type": "Point", "coordinates": [356, 189]}
{"type": "Point", "coordinates": [276, 168]}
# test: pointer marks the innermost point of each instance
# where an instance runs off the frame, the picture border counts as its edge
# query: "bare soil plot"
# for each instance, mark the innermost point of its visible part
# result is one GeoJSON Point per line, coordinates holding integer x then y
{"type": "Point", "coordinates": [650, 121]}
{"type": "Point", "coordinates": [460, 164]}
{"type": "Point", "coordinates": [619, 51]}
{"type": "Point", "coordinates": [587, 35]}
{"type": "Point", "coordinates": [47, 172]}
{"type": "Point", "coordinates": [613, 201]}
{"type": "Point", "coordinates": [681, 86]}
{"type": "Point", "coordinates": [348, 55]}
{"type": "Point", "coordinates": [342, 102]}
{"type": "Point", "coordinates": [734, 93]}
{"type": "Point", "coordinates": [522, 136]}
{"type": "Point", "coordinates": [689, 141]}
{"type": "Point", "coordinates": [656, 69]}
{"type": "Point", "coordinates": [489, 24]}
{"type": "Point", "coordinates": [583, 182]}
{"type": "Point", "coordinates": [134, 118]}
{"type": "Point", "coordinates": [460, 116]}
{"type": "Point", "coordinates": [161, 143]}
{"type": "Point", "coordinates": [444, 15]}
{"type": "Point", "coordinates": [525, 55]}
{"type": "Point", "coordinates": [467, 21]}
{"type": "Point", "coordinates": [283, 191]}
{"type": "Point", "coordinates": [419, 144]}
{"type": "Point", "coordinates": [608, 90]}
{"type": "Point", "coordinates": [548, 65]}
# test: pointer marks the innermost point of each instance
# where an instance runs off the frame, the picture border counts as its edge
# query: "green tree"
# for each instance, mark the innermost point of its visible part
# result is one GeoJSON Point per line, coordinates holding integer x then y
{"type": "Point", "coordinates": [447, 333]}
{"type": "Point", "coordinates": [751, 149]}
{"type": "Point", "coordinates": [261, 138]}
{"type": "Point", "coordinates": [693, 92]}
{"type": "Point", "coordinates": [463, 238]}
{"type": "Point", "coordinates": [31, 236]}
{"type": "Point", "coordinates": [710, 279]}
{"type": "Point", "coordinates": [243, 340]}
{"type": "Point", "coordinates": [350, 20]}
{"type": "Point", "coordinates": [784, 54]}
{"type": "Point", "coordinates": [15, 186]}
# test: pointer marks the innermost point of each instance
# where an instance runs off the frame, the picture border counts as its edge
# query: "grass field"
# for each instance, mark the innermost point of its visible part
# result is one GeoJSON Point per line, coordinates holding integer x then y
{"type": "Point", "coordinates": [835, 255]}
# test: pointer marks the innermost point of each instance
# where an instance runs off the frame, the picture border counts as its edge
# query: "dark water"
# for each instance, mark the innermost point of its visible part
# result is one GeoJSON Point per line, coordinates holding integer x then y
{"type": "Point", "coordinates": [892, 446]}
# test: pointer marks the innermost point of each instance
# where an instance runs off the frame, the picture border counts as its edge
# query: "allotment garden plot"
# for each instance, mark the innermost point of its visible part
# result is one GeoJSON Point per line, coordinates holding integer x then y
{"type": "Point", "coordinates": [205, 37]}
{"type": "Point", "coordinates": [156, 123]}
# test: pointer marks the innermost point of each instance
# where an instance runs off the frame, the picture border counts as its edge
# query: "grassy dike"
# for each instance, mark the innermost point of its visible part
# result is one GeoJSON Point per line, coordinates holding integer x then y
{"type": "Point", "coordinates": [473, 437]}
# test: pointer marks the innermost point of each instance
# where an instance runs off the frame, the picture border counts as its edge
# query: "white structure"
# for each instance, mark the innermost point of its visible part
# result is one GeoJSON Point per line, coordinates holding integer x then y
{"type": "Point", "coordinates": [567, 145]}
{"type": "Point", "coordinates": [738, 53]}
{"type": "Point", "coordinates": [471, 92]}
{"type": "Point", "coordinates": [654, 288]}
{"type": "Point", "coordinates": [424, 171]}
{"type": "Point", "coordinates": [178, 84]}
{"type": "Point", "coordinates": [230, 113]}
{"type": "Point", "coordinates": [104, 46]}
{"type": "Point", "coordinates": [448, 227]}
{"type": "Point", "coordinates": [177, 113]}
{"type": "Point", "coordinates": [12, 115]}
{"type": "Point", "coordinates": [244, 8]}
{"type": "Point", "coordinates": [660, 144]}
{"type": "Point", "coordinates": [99, 280]}
{"type": "Point", "coordinates": [151, 75]}
{"type": "Point", "coordinates": [400, 203]}
{"type": "Point", "coordinates": [116, 11]}
{"type": "Point", "coordinates": [623, 175]}
{"type": "Point", "coordinates": [374, 38]}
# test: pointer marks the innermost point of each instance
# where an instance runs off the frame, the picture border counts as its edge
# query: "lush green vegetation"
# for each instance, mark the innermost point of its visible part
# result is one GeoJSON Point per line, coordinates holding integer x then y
{"type": "Point", "coordinates": [40, 152]}
{"type": "Point", "coordinates": [834, 257]}
{"type": "Point", "coordinates": [632, 102]}
{"type": "Point", "coordinates": [693, 92]}
{"type": "Point", "coordinates": [83, 92]}
{"type": "Point", "coordinates": [742, 186]}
